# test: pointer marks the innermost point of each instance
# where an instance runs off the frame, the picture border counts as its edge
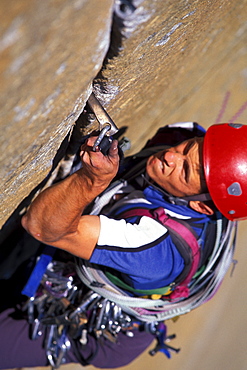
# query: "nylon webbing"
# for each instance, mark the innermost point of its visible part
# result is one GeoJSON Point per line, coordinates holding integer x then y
{"type": "Point", "coordinates": [160, 291]}
{"type": "Point", "coordinates": [151, 310]}
{"type": "Point", "coordinates": [173, 226]}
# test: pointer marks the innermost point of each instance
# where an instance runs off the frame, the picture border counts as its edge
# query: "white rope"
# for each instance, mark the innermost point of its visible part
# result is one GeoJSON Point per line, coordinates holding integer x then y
{"type": "Point", "coordinates": [104, 198]}
{"type": "Point", "coordinates": [152, 310]}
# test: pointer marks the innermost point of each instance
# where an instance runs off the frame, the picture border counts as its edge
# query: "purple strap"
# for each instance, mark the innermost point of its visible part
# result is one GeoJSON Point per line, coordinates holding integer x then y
{"type": "Point", "coordinates": [182, 289]}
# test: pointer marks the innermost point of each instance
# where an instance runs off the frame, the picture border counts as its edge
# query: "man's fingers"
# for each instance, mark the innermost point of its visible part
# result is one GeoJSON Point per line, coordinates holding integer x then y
{"type": "Point", "coordinates": [113, 151]}
{"type": "Point", "coordinates": [91, 140]}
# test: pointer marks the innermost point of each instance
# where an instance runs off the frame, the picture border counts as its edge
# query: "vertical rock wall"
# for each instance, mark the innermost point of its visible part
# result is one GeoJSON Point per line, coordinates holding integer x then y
{"type": "Point", "coordinates": [162, 54]}
{"type": "Point", "coordinates": [176, 63]}
{"type": "Point", "coordinates": [168, 61]}
{"type": "Point", "coordinates": [50, 54]}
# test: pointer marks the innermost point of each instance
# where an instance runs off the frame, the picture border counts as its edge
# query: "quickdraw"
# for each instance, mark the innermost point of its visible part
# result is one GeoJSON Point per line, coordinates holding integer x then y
{"type": "Point", "coordinates": [64, 309]}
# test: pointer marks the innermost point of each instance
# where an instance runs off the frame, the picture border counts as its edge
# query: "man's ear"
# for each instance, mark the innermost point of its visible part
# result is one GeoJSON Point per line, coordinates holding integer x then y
{"type": "Point", "coordinates": [201, 207]}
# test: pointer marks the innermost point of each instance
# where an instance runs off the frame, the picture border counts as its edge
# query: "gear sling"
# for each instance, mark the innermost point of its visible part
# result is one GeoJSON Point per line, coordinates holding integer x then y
{"type": "Point", "coordinates": [107, 304]}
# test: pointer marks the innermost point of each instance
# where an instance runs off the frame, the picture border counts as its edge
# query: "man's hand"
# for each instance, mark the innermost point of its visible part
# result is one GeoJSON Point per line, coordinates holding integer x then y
{"type": "Point", "coordinates": [55, 215]}
{"type": "Point", "coordinates": [98, 168]}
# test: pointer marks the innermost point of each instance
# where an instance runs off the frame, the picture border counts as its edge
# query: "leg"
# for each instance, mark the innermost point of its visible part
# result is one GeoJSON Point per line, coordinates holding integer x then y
{"type": "Point", "coordinates": [17, 350]}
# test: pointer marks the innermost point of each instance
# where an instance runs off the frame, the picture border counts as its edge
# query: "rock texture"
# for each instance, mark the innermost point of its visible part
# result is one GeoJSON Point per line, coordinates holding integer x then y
{"type": "Point", "coordinates": [176, 63]}
{"type": "Point", "coordinates": [50, 53]}
{"type": "Point", "coordinates": [168, 61]}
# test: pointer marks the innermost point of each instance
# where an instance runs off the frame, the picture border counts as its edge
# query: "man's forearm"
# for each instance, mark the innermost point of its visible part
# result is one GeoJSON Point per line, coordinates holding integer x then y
{"type": "Point", "coordinates": [56, 211]}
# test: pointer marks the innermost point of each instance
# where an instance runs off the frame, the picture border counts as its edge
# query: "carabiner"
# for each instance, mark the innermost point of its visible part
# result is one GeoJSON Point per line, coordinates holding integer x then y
{"type": "Point", "coordinates": [106, 125]}
{"type": "Point", "coordinates": [101, 136]}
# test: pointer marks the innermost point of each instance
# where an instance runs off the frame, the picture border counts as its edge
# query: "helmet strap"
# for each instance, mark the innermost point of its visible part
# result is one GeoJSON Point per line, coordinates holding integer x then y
{"type": "Point", "coordinates": [185, 200]}
{"type": "Point", "coordinates": [180, 201]}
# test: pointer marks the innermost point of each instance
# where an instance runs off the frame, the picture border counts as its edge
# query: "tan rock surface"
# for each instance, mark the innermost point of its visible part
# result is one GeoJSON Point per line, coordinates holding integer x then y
{"type": "Point", "coordinates": [176, 63]}
{"type": "Point", "coordinates": [49, 59]}
{"type": "Point", "coordinates": [50, 53]}
{"type": "Point", "coordinates": [180, 48]}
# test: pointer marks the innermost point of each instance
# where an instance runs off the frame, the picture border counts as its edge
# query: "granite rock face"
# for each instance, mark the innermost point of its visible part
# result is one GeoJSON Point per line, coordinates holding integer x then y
{"type": "Point", "coordinates": [176, 62]}
{"type": "Point", "coordinates": [168, 61]}
{"type": "Point", "coordinates": [50, 54]}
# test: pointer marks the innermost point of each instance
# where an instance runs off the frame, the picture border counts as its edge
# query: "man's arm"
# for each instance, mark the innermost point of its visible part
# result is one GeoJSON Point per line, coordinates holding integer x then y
{"type": "Point", "coordinates": [55, 215]}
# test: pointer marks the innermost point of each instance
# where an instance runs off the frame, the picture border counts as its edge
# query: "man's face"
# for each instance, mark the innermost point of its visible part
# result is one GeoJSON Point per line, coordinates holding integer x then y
{"type": "Point", "coordinates": [178, 170]}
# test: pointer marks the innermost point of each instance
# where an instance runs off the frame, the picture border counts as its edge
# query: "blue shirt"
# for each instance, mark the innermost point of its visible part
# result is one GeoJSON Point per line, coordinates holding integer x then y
{"type": "Point", "coordinates": [140, 248]}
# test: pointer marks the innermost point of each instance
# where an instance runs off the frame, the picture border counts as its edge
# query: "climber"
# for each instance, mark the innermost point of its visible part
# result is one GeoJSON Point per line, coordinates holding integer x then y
{"type": "Point", "coordinates": [181, 172]}
{"type": "Point", "coordinates": [176, 171]}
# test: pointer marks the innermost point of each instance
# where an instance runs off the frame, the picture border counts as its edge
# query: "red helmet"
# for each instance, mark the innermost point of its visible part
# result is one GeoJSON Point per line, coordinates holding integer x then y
{"type": "Point", "coordinates": [225, 166]}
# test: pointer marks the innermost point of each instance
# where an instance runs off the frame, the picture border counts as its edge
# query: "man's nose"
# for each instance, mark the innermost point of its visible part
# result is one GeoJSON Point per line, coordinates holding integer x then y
{"type": "Point", "coordinates": [173, 158]}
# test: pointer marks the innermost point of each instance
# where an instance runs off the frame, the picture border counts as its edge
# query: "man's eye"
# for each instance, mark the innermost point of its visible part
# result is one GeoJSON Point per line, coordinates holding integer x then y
{"type": "Point", "coordinates": [186, 171]}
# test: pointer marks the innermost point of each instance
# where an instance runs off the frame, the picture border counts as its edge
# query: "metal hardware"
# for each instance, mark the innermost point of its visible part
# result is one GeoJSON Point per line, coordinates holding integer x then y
{"type": "Point", "coordinates": [106, 125]}
{"type": "Point", "coordinates": [91, 296]}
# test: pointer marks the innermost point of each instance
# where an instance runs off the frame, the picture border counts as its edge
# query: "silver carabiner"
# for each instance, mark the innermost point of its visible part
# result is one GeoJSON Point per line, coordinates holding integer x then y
{"type": "Point", "coordinates": [106, 125]}
{"type": "Point", "coordinates": [101, 136]}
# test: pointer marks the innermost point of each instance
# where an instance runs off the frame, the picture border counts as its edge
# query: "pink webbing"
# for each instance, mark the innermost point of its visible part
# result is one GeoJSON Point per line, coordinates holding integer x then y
{"type": "Point", "coordinates": [181, 290]}
{"type": "Point", "coordinates": [187, 235]}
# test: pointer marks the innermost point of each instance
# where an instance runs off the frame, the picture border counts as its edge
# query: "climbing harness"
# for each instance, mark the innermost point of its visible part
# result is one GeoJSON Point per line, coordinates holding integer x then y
{"type": "Point", "coordinates": [71, 299]}
{"type": "Point", "coordinates": [69, 305]}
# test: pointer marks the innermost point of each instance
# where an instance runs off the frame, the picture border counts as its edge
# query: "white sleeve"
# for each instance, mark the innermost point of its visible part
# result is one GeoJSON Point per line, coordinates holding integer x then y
{"type": "Point", "coordinates": [122, 234]}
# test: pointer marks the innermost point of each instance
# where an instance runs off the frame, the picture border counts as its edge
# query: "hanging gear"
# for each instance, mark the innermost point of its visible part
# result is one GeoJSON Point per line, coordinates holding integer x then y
{"type": "Point", "coordinates": [225, 166]}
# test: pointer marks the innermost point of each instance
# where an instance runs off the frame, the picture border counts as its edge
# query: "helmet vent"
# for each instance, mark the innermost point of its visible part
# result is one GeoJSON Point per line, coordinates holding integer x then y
{"type": "Point", "coordinates": [234, 189]}
{"type": "Point", "coordinates": [235, 125]}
